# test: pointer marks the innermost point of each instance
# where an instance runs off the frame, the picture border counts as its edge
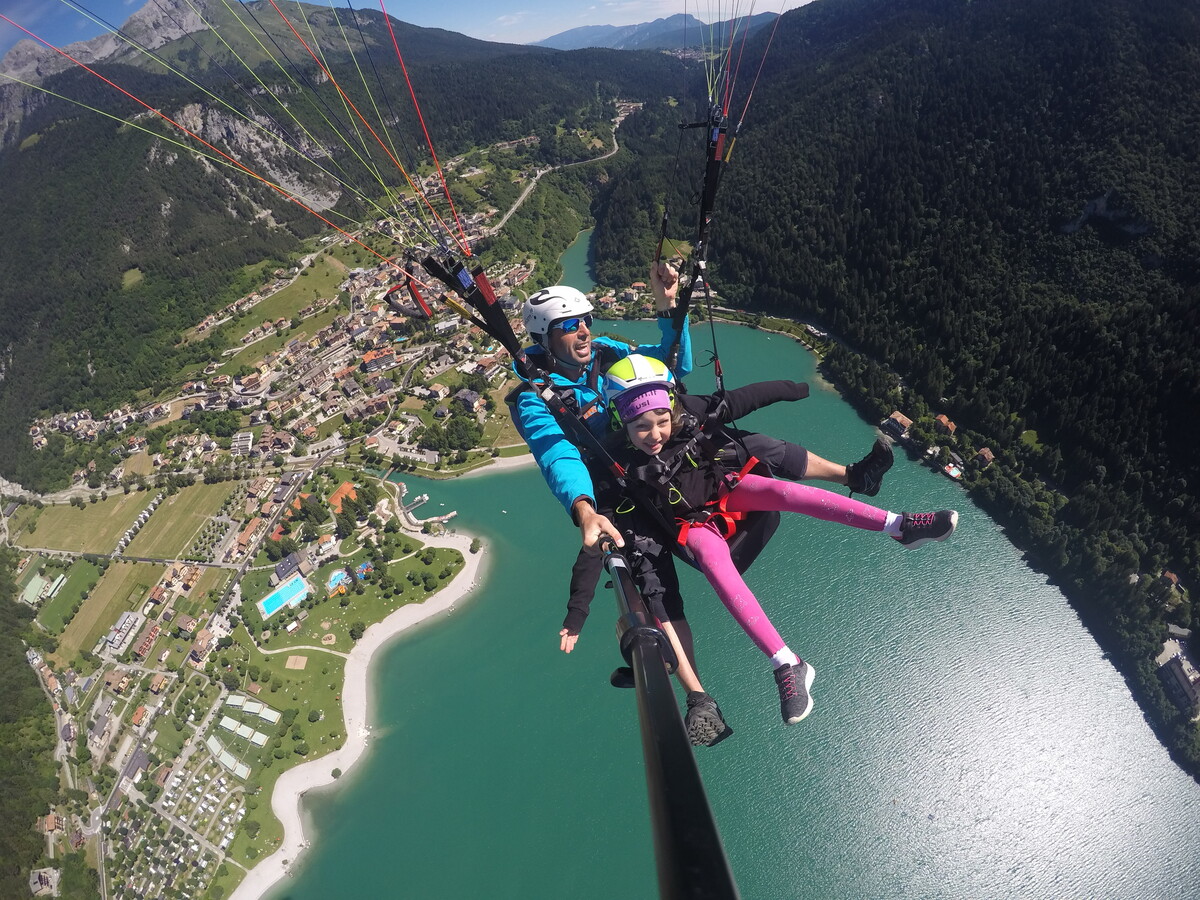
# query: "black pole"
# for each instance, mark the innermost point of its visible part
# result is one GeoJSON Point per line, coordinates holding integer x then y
{"type": "Point", "coordinates": [688, 850]}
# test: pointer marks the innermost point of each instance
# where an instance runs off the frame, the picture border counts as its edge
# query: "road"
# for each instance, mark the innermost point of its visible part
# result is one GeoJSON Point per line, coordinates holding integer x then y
{"type": "Point", "coordinates": [540, 172]}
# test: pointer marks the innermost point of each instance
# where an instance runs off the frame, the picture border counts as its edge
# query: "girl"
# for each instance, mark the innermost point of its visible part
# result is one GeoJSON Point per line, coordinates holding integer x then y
{"type": "Point", "coordinates": [676, 484]}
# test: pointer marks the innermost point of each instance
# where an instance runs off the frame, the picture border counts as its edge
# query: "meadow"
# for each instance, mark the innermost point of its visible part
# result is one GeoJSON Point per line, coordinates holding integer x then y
{"type": "Point", "coordinates": [170, 530]}
{"type": "Point", "coordinates": [81, 578]}
{"type": "Point", "coordinates": [124, 586]}
{"type": "Point", "coordinates": [91, 528]}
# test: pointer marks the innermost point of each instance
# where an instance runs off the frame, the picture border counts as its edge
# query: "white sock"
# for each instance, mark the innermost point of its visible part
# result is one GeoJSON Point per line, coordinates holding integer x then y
{"type": "Point", "coordinates": [892, 525]}
{"type": "Point", "coordinates": [785, 657]}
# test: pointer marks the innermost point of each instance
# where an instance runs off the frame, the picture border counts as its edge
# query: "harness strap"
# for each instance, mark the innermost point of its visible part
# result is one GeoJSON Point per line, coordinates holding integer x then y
{"type": "Point", "coordinates": [722, 519]}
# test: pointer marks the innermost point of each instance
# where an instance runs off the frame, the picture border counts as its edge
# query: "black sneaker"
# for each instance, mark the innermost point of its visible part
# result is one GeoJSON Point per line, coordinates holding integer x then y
{"type": "Point", "coordinates": [866, 476]}
{"type": "Point", "coordinates": [704, 722]}
{"type": "Point", "coordinates": [793, 682]}
{"type": "Point", "coordinates": [919, 529]}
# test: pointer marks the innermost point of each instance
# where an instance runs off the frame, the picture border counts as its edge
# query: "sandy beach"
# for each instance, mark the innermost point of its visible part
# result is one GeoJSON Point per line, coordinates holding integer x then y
{"type": "Point", "coordinates": [500, 464]}
{"type": "Point", "coordinates": [292, 785]}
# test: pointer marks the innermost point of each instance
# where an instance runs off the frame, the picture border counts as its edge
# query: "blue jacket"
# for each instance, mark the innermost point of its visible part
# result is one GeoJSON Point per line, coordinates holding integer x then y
{"type": "Point", "coordinates": [561, 462]}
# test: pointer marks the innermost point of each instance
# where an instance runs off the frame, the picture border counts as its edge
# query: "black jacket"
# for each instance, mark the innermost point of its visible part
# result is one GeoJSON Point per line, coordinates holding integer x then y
{"type": "Point", "coordinates": [691, 470]}
{"type": "Point", "coordinates": [653, 537]}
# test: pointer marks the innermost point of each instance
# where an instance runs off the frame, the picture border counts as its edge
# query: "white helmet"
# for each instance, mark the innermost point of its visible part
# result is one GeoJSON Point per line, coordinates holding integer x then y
{"type": "Point", "coordinates": [549, 305]}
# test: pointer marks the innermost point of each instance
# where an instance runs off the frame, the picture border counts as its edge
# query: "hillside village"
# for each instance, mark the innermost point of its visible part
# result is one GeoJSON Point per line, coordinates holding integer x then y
{"type": "Point", "coordinates": [318, 390]}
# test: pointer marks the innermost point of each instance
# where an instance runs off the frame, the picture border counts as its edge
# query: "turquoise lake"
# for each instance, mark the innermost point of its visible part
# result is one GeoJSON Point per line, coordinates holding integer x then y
{"type": "Point", "coordinates": [969, 738]}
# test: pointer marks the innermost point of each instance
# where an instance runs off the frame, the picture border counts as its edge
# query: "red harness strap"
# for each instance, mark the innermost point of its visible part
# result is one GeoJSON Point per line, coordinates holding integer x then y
{"type": "Point", "coordinates": [724, 521]}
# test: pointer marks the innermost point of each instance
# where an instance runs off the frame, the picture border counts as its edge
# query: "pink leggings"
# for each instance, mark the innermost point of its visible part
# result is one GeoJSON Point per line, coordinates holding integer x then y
{"type": "Point", "coordinates": [757, 494]}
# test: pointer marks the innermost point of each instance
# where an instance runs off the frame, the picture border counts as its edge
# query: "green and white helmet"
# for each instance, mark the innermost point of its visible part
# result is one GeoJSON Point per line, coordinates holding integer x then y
{"type": "Point", "coordinates": [636, 384]}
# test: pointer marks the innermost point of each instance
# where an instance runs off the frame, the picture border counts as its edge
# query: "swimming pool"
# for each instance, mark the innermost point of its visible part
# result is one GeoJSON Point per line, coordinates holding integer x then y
{"type": "Point", "coordinates": [291, 593]}
{"type": "Point", "coordinates": [337, 578]}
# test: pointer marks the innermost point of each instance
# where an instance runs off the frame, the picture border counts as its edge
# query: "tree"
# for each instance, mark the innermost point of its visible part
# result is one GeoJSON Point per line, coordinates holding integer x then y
{"type": "Point", "coordinates": [357, 630]}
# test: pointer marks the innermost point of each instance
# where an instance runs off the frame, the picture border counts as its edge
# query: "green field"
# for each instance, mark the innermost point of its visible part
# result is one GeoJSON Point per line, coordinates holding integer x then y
{"type": "Point", "coordinates": [330, 425]}
{"type": "Point", "coordinates": [123, 587]}
{"type": "Point", "coordinates": [31, 568]}
{"type": "Point", "coordinates": [317, 686]}
{"type": "Point", "coordinates": [92, 528]}
{"type": "Point", "coordinates": [170, 530]}
{"type": "Point", "coordinates": [21, 521]}
{"type": "Point", "coordinates": [368, 608]}
{"type": "Point", "coordinates": [211, 580]}
{"type": "Point", "coordinates": [319, 281]}
{"type": "Point", "coordinates": [80, 577]}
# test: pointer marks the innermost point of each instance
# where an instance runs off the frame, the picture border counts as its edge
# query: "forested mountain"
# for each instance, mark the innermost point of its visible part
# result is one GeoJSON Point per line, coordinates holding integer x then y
{"type": "Point", "coordinates": [115, 241]}
{"type": "Point", "coordinates": [995, 202]}
{"type": "Point", "coordinates": [671, 33]}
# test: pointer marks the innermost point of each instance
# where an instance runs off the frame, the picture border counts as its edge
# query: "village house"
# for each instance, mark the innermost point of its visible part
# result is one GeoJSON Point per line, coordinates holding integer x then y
{"type": "Point", "coordinates": [289, 566]}
{"type": "Point", "coordinates": [201, 647]}
{"type": "Point", "coordinates": [246, 537]}
{"type": "Point", "coordinates": [897, 425]}
{"type": "Point", "coordinates": [470, 400]}
{"type": "Point", "coordinates": [146, 640]}
{"type": "Point", "coordinates": [377, 360]}
{"type": "Point", "coordinates": [44, 882]}
{"type": "Point", "coordinates": [942, 424]}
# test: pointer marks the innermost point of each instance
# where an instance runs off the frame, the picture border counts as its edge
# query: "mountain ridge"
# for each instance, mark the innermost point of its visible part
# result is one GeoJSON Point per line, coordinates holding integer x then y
{"type": "Point", "coordinates": [676, 32]}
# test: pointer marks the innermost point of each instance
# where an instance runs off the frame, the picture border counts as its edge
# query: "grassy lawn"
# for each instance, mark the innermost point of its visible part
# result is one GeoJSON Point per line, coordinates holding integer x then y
{"type": "Point", "coordinates": [213, 580]}
{"type": "Point", "coordinates": [169, 742]}
{"type": "Point", "coordinates": [173, 526]}
{"type": "Point", "coordinates": [1029, 438]}
{"type": "Point", "coordinates": [140, 463]}
{"type": "Point", "coordinates": [81, 577]}
{"type": "Point", "coordinates": [518, 450]}
{"type": "Point", "coordinates": [317, 686]}
{"type": "Point", "coordinates": [93, 528]}
{"type": "Point", "coordinates": [320, 280]}
{"type": "Point", "coordinates": [369, 607]}
{"type": "Point", "coordinates": [252, 354]}
{"type": "Point", "coordinates": [124, 586]}
{"type": "Point", "coordinates": [330, 425]}
{"type": "Point", "coordinates": [31, 568]}
{"type": "Point", "coordinates": [22, 520]}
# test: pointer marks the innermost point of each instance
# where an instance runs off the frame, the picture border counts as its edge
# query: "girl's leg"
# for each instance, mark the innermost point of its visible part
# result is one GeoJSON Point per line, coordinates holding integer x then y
{"type": "Point", "coordinates": [712, 556]}
{"type": "Point", "coordinates": [754, 493]}
{"type": "Point", "coordinates": [793, 676]}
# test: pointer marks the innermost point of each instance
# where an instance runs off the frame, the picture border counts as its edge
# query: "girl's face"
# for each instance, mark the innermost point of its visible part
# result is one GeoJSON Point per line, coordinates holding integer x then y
{"type": "Point", "coordinates": [649, 431]}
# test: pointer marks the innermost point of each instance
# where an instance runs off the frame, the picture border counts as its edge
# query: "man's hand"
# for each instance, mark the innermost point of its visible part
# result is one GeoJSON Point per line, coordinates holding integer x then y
{"type": "Point", "coordinates": [664, 281]}
{"type": "Point", "coordinates": [566, 641]}
{"type": "Point", "coordinates": [593, 526]}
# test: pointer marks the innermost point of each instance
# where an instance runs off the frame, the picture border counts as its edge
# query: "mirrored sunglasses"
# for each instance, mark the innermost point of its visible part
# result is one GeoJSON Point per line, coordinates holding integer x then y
{"type": "Point", "coordinates": [570, 326]}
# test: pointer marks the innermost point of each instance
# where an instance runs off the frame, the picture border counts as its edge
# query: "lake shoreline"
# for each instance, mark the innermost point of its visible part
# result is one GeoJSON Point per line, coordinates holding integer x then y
{"type": "Point", "coordinates": [358, 715]}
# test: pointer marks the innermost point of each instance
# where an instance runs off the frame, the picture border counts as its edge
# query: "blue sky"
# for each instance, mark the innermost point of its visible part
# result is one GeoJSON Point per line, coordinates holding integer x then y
{"type": "Point", "coordinates": [512, 21]}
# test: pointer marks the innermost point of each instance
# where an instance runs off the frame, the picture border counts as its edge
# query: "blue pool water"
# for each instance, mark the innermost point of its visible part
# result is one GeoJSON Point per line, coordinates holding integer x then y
{"type": "Point", "coordinates": [337, 578]}
{"type": "Point", "coordinates": [290, 593]}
